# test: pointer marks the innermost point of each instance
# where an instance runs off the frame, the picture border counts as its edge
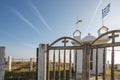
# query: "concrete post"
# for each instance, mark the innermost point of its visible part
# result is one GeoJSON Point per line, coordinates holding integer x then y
{"type": "Point", "coordinates": [42, 62]}
{"type": "Point", "coordinates": [31, 64]}
{"type": "Point", "coordinates": [9, 63]}
{"type": "Point", "coordinates": [2, 57]}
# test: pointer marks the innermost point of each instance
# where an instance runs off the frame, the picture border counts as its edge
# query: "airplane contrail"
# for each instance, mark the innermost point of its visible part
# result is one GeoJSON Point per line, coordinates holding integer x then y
{"type": "Point", "coordinates": [97, 7]}
{"type": "Point", "coordinates": [26, 21]}
{"type": "Point", "coordinates": [37, 13]}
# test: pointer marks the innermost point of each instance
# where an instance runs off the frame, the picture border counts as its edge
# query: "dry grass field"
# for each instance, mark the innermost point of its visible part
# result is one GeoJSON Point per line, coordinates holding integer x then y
{"type": "Point", "coordinates": [21, 71]}
{"type": "Point", "coordinates": [108, 75]}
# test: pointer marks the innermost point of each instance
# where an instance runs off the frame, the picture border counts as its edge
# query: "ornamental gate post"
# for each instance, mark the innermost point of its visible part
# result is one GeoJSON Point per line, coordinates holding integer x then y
{"type": "Point", "coordinates": [86, 62]}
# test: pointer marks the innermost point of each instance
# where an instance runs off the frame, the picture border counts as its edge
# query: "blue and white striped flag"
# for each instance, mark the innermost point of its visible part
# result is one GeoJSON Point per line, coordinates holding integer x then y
{"type": "Point", "coordinates": [106, 10]}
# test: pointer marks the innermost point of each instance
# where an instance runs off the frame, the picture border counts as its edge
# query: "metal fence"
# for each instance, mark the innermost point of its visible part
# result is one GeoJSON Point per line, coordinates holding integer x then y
{"type": "Point", "coordinates": [66, 69]}
{"type": "Point", "coordinates": [109, 41]}
{"type": "Point", "coordinates": [28, 69]}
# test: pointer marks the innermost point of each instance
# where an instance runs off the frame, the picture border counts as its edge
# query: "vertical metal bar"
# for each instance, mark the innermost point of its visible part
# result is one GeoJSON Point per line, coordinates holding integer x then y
{"type": "Point", "coordinates": [65, 41]}
{"type": "Point", "coordinates": [112, 65]}
{"type": "Point", "coordinates": [64, 65]}
{"type": "Point", "coordinates": [70, 66]}
{"type": "Point", "coordinates": [75, 64]}
{"type": "Point", "coordinates": [84, 64]}
{"type": "Point", "coordinates": [112, 56]}
{"type": "Point", "coordinates": [96, 77]}
{"type": "Point", "coordinates": [91, 60]}
{"type": "Point", "coordinates": [59, 66]}
{"type": "Point", "coordinates": [87, 61]}
{"type": "Point", "coordinates": [54, 65]}
{"type": "Point", "coordinates": [37, 62]}
{"type": "Point", "coordinates": [47, 66]}
{"type": "Point", "coordinates": [104, 61]}
{"type": "Point", "coordinates": [91, 56]}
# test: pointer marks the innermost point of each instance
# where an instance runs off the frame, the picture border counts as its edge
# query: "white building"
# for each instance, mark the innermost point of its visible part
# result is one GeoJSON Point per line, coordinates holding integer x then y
{"type": "Point", "coordinates": [118, 67]}
{"type": "Point", "coordinates": [90, 38]}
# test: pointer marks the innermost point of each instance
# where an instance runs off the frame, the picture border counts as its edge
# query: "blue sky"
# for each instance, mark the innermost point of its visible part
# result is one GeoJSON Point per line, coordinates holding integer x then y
{"type": "Point", "coordinates": [24, 24]}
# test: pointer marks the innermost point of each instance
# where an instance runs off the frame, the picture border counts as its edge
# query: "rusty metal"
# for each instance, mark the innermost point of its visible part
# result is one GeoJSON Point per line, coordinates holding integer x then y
{"type": "Point", "coordinates": [54, 65]}
{"type": "Point", "coordinates": [70, 75]}
{"type": "Point", "coordinates": [113, 36]}
{"type": "Point", "coordinates": [47, 65]}
{"type": "Point", "coordinates": [65, 41]}
{"type": "Point", "coordinates": [96, 70]}
{"type": "Point", "coordinates": [85, 47]}
{"type": "Point", "coordinates": [59, 67]}
{"type": "Point", "coordinates": [112, 57]}
{"type": "Point", "coordinates": [64, 65]}
{"type": "Point", "coordinates": [106, 45]}
{"type": "Point", "coordinates": [66, 48]}
{"type": "Point", "coordinates": [88, 61]}
{"type": "Point", "coordinates": [91, 56]}
{"type": "Point", "coordinates": [84, 63]}
{"type": "Point", "coordinates": [112, 65]}
{"type": "Point", "coordinates": [64, 38]}
{"type": "Point", "coordinates": [75, 64]}
{"type": "Point", "coordinates": [113, 44]}
{"type": "Point", "coordinates": [37, 63]}
{"type": "Point", "coordinates": [113, 31]}
{"type": "Point", "coordinates": [104, 62]}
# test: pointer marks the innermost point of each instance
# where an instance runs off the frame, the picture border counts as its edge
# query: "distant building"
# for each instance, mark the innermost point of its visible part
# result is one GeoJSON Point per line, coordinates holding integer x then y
{"type": "Point", "coordinates": [90, 38]}
{"type": "Point", "coordinates": [118, 67]}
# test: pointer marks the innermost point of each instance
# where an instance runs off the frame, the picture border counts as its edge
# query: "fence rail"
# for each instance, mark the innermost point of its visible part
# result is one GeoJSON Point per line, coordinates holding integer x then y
{"type": "Point", "coordinates": [20, 69]}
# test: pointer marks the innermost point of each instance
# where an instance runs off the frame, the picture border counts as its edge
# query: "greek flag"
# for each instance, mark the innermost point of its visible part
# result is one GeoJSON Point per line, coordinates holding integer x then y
{"type": "Point", "coordinates": [106, 10]}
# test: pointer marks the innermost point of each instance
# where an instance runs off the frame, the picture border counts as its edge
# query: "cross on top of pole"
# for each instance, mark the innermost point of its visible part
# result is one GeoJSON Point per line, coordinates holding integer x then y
{"type": "Point", "coordinates": [65, 41]}
{"type": "Point", "coordinates": [113, 36]}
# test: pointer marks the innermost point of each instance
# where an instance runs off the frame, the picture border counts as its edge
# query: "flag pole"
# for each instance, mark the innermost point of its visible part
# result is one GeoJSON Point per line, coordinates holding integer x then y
{"type": "Point", "coordinates": [102, 18]}
{"type": "Point", "coordinates": [102, 21]}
